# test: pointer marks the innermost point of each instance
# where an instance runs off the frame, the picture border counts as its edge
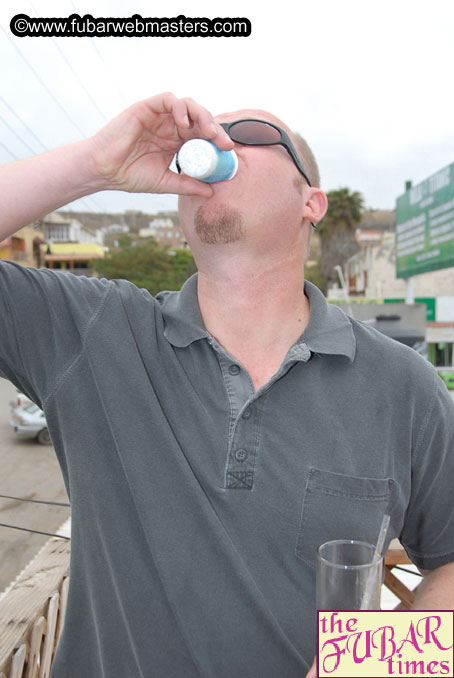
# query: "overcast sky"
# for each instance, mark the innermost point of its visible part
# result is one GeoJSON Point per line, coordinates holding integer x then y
{"type": "Point", "coordinates": [369, 84]}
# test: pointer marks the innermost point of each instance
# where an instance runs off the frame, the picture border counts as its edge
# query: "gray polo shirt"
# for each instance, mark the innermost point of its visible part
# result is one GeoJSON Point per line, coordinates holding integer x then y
{"type": "Point", "coordinates": [198, 503]}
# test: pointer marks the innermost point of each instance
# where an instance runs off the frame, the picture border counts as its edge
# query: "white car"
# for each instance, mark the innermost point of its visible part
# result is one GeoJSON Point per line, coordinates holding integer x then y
{"type": "Point", "coordinates": [29, 421]}
{"type": "Point", "coordinates": [21, 399]}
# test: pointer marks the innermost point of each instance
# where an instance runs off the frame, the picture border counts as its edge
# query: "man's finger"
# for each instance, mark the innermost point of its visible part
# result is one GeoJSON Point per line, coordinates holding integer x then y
{"type": "Point", "coordinates": [208, 127]}
{"type": "Point", "coordinates": [181, 114]}
{"type": "Point", "coordinates": [222, 139]}
{"type": "Point", "coordinates": [181, 184]}
{"type": "Point", "coordinates": [188, 114]}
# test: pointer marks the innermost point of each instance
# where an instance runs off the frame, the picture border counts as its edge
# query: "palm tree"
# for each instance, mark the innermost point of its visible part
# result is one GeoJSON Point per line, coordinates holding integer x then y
{"type": "Point", "coordinates": [337, 230]}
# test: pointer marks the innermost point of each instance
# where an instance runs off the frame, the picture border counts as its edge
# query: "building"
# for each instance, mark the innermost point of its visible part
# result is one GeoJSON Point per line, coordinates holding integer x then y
{"type": "Point", "coordinates": [367, 236]}
{"type": "Point", "coordinates": [69, 246]}
{"type": "Point", "coordinates": [116, 229]}
{"type": "Point", "coordinates": [370, 276]}
{"type": "Point", "coordinates": [371, 273]}
{"type": "Point", "coordinates": [113, 234]}
{"type": "Point", "coordinates": [73, 257]}
{"type": "Point", "coordinates": [24, 246]}
{"type": "Point", "coordinates": [165, 232]}
{"type": "Point", "coordinates": [58, 229]}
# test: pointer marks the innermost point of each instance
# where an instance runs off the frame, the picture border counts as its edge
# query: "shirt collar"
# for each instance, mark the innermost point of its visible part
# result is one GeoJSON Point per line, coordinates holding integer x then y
{"type": "Point", "coordinates": [329, 330]}
{"type": "Point", "coordinates": [181, 312]}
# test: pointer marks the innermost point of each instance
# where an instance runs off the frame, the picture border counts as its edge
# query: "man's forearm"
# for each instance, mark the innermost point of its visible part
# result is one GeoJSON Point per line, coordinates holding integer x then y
{"type": "Point", "coordinates": [436, 591]}
{"type": "Point", "coordinates": [33, 187]}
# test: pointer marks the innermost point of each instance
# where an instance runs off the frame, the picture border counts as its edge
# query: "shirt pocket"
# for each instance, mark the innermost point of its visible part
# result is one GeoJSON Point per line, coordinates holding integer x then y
{"type": "Point", "coordinates": [338, 506]}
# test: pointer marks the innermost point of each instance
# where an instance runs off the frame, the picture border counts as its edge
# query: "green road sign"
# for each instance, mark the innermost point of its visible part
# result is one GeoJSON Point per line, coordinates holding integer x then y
{"type": "Point", "coordinates": [425, 225]}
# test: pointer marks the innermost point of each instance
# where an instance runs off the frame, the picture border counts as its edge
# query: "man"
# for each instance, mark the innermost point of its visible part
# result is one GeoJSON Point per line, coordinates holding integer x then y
{"type": "Point", "coordinates": [211, 439]}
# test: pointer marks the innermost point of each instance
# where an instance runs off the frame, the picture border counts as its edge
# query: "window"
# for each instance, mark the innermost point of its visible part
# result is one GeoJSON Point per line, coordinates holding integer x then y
{"type": "Point", "coordinates": [443, 354]}
{"type": "Point", "coordinates": [58, 233]}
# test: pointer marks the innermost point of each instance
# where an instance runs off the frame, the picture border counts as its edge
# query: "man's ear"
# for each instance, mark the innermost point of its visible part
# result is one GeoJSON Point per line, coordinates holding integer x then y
{"type": "Point", "coordinates": [316, 204]}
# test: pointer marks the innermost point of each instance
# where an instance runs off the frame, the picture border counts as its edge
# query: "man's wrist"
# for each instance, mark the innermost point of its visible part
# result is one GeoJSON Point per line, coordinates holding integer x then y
{"type": "Point", "coordinates": [90, 176]}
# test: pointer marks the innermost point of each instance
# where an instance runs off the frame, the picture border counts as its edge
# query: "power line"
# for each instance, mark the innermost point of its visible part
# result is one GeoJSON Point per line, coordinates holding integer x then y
{"type": "Point", "coordinates": [104, 117]}
{"type": "Point", "coordinates": [35, 501]}
{"type": "Point", "coordinates": [28, 529]}
{"type": "Point", "coordinates": [5, 103]}
{"type": "Point", "coordinates": [67, 62]}
{"type": "Point", "coordinates": [100, 57]}
{"type": "Point", "coordinates": [54, 98]}
{"type": "Point", "coordinates": [84, 200]}
{"type": "Point", "coordinates": [38, 77]}
{"type": "Point", "coordinates": [8, 151]}
{"type": "Point", "coordinates": [11, 129]}
{"type": "Point", "coordinates": [119, 92]}
{"type": "Point", "coordinates": [95, 202]}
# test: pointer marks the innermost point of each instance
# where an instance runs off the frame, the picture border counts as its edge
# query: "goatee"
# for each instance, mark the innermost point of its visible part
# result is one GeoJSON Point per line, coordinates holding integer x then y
{"type": "Point", "coordinates": [221, 225]}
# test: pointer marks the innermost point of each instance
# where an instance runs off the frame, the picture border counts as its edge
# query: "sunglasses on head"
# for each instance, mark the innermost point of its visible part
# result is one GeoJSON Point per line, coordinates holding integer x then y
{"type": "Point", "coordinates": [252, 132]}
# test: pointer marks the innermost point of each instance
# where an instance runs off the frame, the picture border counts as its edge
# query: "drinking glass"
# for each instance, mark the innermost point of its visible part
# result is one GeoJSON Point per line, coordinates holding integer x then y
{"type": "Point", "coordinates": [348, 576]}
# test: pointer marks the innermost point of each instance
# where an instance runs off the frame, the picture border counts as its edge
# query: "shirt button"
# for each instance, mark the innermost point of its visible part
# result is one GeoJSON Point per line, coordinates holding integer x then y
{"type": "Point", "coordinates": [240, 455]}
{"type": "Point", "coordinates": [246, 414]}
{"type": "Point", "coordinates": [234, 369]}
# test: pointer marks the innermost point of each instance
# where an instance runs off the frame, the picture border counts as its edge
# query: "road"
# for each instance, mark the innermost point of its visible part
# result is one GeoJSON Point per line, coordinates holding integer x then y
{"type": "Point", "coordinates": [30, 471]}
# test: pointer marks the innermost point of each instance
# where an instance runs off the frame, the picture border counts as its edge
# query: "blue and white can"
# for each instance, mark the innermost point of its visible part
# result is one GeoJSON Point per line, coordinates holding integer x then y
{"type": "Point", "coordinates": [202, 160]}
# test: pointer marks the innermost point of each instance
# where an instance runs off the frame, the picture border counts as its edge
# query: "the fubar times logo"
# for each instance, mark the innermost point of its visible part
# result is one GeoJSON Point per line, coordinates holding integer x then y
{"type": "Point", "coordinates": [385, 643]}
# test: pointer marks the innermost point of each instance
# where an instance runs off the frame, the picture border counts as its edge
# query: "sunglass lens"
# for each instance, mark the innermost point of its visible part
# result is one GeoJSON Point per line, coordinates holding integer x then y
{"type": "Point", "coordinates": [252, 132]}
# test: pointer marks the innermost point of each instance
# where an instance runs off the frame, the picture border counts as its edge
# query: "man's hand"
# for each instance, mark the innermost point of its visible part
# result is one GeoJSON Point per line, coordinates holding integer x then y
{"type": "Point", "coordinates": [133, 152]}
{"type": "Point", "coordinates": [312, 673]}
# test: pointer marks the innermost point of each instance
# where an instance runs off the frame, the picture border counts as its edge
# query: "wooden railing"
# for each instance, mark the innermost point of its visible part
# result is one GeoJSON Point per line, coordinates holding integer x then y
{"type": "Point", "coordinates": [32, 612]}
{"type": "Point", "coordinates": [396, 555]}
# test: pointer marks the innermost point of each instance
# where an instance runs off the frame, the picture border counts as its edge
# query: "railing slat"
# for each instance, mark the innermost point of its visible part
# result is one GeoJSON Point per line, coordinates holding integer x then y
{"type": "Point", "coordinates": [18, 662]}
{"type": "Point", "coordinates": [27, 599]}
{"type": "Point", "coordinates": [36, 642]}
{"type": "Point", "coordinates": [49, 641]}
{"type": "Point", "coordinates": [62, 610]}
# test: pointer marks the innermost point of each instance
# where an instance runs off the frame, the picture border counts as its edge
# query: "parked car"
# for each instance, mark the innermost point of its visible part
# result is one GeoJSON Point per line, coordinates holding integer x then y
{"type": "Point", "coordinates": [21, 399]}
{"type": "Point", "coordinates": [29, 421]}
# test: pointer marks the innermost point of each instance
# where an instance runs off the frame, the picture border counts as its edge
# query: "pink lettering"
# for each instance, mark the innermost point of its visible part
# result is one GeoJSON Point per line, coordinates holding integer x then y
{"type": "Point", "coordinates": [336, 655]}
{"type": "Point", "coordinates": [385, 640]}
{"type": "Point", "coordinates": [431, 632]}
{"type": "Point", "coordinates": [367, 649]}
{"type": "Point", "coordinates": [410, 638]}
